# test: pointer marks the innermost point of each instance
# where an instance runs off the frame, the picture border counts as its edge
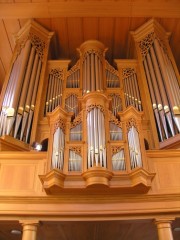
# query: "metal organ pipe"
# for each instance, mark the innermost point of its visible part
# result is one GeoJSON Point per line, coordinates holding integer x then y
{"type": "Point", "coordinates": [153, 99]}
{"type": "Point", "coordinates": [131, 92]}
{"type": "Point", "coordinates": [163, 92]}
{"type": "Point", "coordinates": [157, 94]}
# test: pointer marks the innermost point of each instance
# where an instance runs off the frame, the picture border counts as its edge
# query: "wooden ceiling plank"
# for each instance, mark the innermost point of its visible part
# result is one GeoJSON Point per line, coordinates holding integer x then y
{"type": "Point", "coordinates": [96, 8]}
{"type": "Point", "coordinates": [59, 26]}
{"type": "Point", "coordinates": [90, 28]}
{"type": "Point", "coordinates": [12, 26]}
{"type": "Point", "coordinates": [75, 36]}
{"type": "Point", "coordinates": [106, 28]}
{"type": "Point", "coordinates": [5, 47]}
{"type": "Point", "coordinates": [120, 37]}
{"type": "Point", "coordinates": [2, 74]}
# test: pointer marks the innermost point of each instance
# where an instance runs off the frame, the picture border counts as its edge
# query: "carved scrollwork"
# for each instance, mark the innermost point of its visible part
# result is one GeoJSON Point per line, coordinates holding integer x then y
{"type": "Point", "coordinates": [76, 121]}
{"type": "Point", "coordinates": [60, 123]}
{"type": "Point", "coordinates": [57, 72]}
{"type": "Point", "coordinates": [100, 54]}
{"type": "Point", "coordinates": [38, 43]}
{"type": "Point", "coordinates": [116, 149]}
{"type": "Point", "coordinates": [146, 43]}
{"type": "Point", "coordinates": [130, 123]}
{"type": "Point", "coordinates": [127, 72]}
{"type": "Point", "coordinates": [113, 119]}
{"type": "Point", "coordinates": [92, 106]}
{"type": "Point", "coordinates": [76, 149]}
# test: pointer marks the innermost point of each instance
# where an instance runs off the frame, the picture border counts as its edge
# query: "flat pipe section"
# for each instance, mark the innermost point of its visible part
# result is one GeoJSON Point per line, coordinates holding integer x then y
{"type": "Point", "coordinates": [115, 132]}
{"type": "Point", "coordinates": [118, 161]}
{"type": "Point", "coordinates": [116, 104]}
{"type": "Point", "coordinates": [58, 149]}
{"type": "Point", "coordinates": [134, 148]}
{"type": "Point", "coordinates": [71, 104]}
{"type": "Point", "coordinates": [76, 133]}
{"type": "Point", "coordinates": [75, 161]}
{"type": "Point", "coordinates": [96, 138]}
{"type": "Point", "coordinates": [73, 78]}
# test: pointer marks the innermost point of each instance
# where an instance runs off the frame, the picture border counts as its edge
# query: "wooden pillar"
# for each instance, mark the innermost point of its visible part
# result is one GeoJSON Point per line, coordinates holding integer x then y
{"type": "Point", "coordinates": [164, 229]}
{"type": "Point", "coordinates": [29, 229]}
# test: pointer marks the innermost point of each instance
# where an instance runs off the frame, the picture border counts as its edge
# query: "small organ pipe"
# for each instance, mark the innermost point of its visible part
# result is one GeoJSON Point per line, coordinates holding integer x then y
{"type": "Point", "coordinates": [96, 73]}
{"type": "Point", "coordinates": [92, 72]}
{"type": "Point", "coordinates": [137, 91]}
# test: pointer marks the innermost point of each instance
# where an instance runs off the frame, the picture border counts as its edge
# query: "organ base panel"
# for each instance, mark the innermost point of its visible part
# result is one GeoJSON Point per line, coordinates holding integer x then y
{"type": "Point", "coordinates": [97, 179]}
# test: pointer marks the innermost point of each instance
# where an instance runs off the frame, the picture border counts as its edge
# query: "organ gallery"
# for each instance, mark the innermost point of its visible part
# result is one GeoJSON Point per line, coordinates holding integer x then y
{"type": "Point", "coordinates": [102, 126]}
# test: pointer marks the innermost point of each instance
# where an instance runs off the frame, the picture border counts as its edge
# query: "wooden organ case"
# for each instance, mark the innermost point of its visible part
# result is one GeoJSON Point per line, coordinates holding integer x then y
{"type": "Point", "coordinates": [99, 121]}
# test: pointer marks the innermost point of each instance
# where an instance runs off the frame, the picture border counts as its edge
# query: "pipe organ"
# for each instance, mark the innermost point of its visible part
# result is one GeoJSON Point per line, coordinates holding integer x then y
{"type": "Point", "coordinates": [94, 114]}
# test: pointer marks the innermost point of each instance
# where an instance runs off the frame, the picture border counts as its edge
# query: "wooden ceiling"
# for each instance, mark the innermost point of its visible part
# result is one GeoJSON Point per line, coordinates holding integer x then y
{"type": "Point", "coordinates": [76, 21]}
{"type": "Point", "coordinates": [90, 230]}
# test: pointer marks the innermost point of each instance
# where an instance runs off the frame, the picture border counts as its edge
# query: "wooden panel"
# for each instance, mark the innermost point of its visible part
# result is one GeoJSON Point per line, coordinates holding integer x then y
{"type": "Point", "coordinates": [91, 28]}
{"type": "Point", "coordinates": [106, 29]}
{"type": "Point", "coordinates": [59, 26]}
{"type": "Point", "coordinates": [2, 74]}
{"type": "Point", "coordinates": [120, 37]}
{"type": "Point", "coordinates": [20, 176]}
{"type": "Point", "coordinates": [121, 8]}
{"type": "Point", "coordinates": [23, 21]}
{"type": "Point", "coordinates": [167, 168]}
{"type": "Point", "coordinates": [5, 47]}
{"type": "Point", "coordinates": [173, 26]}
{"type": "Point", "coordinates": [12, 27]}
{"type": "Point", "coordinates": [75, 36]}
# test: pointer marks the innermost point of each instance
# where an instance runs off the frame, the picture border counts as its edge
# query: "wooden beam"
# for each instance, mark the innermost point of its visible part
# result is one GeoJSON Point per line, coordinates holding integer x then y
{"type": "Point", "coordinates": [121, 8]}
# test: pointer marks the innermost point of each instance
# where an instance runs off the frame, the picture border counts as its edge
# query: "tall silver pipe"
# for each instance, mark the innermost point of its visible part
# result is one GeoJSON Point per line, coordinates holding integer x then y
{"type": "Point", "coordinates": [153, 99]}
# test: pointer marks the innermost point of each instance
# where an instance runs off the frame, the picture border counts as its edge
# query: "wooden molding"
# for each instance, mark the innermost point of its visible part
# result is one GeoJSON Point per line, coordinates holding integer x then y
{"type": "Point", "coordinates": [97, 177]}
{"type": "Point", "coordinates": [91, 9]}
{"type": "Point", "coordinates": [8, 143]}
{"type": "Point", "coordinates": [52, 180]}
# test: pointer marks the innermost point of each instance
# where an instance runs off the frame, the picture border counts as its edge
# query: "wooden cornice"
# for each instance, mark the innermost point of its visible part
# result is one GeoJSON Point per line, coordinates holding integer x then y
{"type": "Point", "coordinates": [121, 8]}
